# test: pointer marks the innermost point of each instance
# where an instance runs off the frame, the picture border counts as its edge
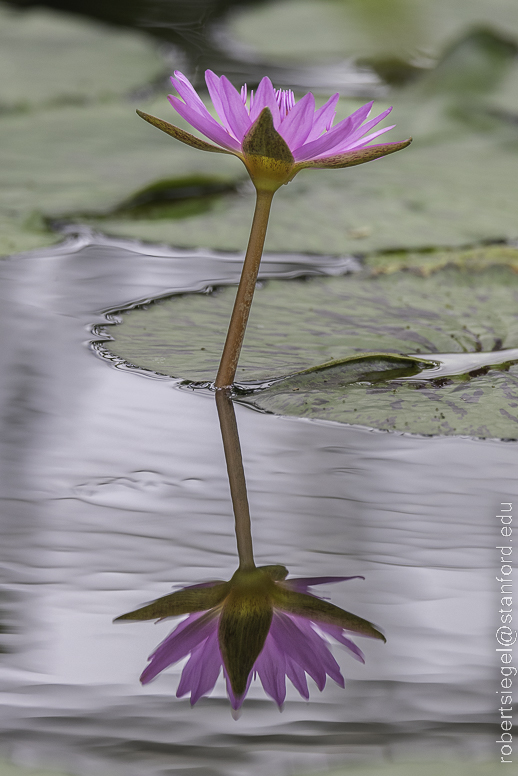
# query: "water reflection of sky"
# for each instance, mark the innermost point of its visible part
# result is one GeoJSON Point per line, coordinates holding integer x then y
{"type": "Point", "coordinates": [115, 489]}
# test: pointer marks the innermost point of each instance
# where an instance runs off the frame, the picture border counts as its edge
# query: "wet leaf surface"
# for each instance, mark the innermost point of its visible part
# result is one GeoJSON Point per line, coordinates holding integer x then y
{"type": "Point", "coordinates": [483, 405]}
{"type": "Point", "coordinates": [305, 323]}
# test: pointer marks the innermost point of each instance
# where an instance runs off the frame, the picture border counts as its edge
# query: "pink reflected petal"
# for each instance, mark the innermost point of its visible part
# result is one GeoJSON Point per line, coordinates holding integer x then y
{"type": "Point", "coordinates": [271, 668]}
{"type": "Point", "coordinates": [297, 677]}
{"type": "Point", "coordinates": [179, 643]}
{"type": "Point", "coordinates": [320, 649]}
{"type": "Point", "coordinates": [337, 633]}
{"type": "Point", "coordinates": [291, 641]}
{"type": "Point", "coordinates": [202, 670]}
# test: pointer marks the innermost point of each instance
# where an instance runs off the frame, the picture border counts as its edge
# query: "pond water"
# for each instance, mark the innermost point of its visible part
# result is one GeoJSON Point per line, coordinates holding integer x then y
{"type": "Point", "coordinates": [114, 490]}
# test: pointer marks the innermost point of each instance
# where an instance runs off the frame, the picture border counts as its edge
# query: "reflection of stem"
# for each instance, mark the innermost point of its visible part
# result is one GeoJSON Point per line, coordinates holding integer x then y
{"type": "Point", "coordinates": [236, 477]}
{"type": "Point", "coordinates": [245, 291]}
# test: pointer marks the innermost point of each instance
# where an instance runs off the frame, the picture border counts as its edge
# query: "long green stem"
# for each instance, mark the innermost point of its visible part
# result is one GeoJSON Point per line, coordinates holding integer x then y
{"type": "Point", "coordinates": [245, 291]}
{"type": "Point", "coordinates": [236, 477]}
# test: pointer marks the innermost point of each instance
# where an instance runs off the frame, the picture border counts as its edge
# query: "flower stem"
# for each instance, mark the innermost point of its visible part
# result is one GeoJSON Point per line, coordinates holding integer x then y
{"type": "Point", "coordinates": [245, 291]}
{"type": "Point", "coordinates": [236, 477]}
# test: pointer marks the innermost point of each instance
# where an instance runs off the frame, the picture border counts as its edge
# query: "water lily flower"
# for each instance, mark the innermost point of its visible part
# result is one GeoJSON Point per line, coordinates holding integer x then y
{"type": "Point", "coordinates": [275, 137]}
{"type": "Point", "coordinates": [273, 134]}
{"type": "Point", "coordinates": [258, 623]}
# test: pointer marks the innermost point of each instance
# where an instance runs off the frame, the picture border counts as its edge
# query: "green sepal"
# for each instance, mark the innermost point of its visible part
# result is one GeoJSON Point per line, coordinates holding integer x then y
{"type": "Point", "coordinates": [243, 627]}
{"type": "Point", "coordinates": [182, 135]}
{"type": "Point", "coordinates": [266, 154]}
{"type": "Point", "coordinates": [352, 158]}
{"type": "Point", "coordinates": [262, 139]}
{"type": "Point", "coordinates": [196, 599]}
{"type": "Point", "coordinates": [322, 611]}
{"type": "Point", "coordinates": [277, 573]}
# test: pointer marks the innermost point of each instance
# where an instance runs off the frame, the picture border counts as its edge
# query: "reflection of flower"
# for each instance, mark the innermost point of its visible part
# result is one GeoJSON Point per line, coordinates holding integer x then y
{"type": "Point", "coordinates": [258, 623]}
{"type": "Point", "coordinates": [274, 135]}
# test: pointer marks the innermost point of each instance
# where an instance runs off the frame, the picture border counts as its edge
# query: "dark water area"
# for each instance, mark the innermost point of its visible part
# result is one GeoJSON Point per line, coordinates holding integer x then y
{"type": "Point", "coordinates": [114, 489]}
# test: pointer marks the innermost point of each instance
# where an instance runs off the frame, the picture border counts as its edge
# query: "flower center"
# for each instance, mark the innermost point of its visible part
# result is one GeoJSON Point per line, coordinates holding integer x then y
{"type": "Point", "coordinates": [285, 100]}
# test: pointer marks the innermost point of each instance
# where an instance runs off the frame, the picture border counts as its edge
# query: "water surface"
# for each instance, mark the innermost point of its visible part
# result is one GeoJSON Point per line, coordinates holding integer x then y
{"type": "Point", "coordinates": [114, 489]}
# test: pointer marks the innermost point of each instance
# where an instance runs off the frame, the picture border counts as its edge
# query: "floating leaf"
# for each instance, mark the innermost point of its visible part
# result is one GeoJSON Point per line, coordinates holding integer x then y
{"type": "Point", "coordinates": [454, 186]}
{"type": "Point", "coordinates": [51, 58]}
{"type": "Point", "coordinates": [87, 159]}
{"type": "Point", "coordinates": [481, 405]}
{"type": "Point", "coordinates": [298, 326]}
{"type": "Point", "coordinates": [302, 30]}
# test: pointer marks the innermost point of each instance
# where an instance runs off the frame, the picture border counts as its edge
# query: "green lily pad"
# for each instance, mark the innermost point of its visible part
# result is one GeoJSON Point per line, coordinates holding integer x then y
{"type": "Point", "coordinates": [364, 324]}
{"type": "Point", "coordinates": [298, 30]}
{"type": "Point", "coordinates": [485, 405]}
{"type": "Point", "coordinates": [84, 159]}
{"type": "Point", "coordinates": [50, 58]}
{"type": "Point", "coordinates": [460, 192]}
{"type": "Point", "coordinates": [84, 162]}
{"type": "Point", "coordinates": [426, 262]}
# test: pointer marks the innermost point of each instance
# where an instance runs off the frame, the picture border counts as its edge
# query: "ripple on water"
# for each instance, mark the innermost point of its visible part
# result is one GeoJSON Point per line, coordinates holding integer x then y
{"type": "Point", "coordinates": [114, 490]}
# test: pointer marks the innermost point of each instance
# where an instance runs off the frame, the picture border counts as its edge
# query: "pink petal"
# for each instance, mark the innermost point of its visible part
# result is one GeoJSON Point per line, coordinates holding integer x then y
{"type": "Point", "coordinates": [270, 665]}
{"type": "Point", "coordinates": [265, 98]}
{"type": "Point", "coordinates": [195, 629]}
{"type": "Point", "coordinates": [320, 649]}
{"type": "Point", "coordinates": [323, 118]}
{"type": "Point", "coordinates": [298, 123]}
{"type": "Point", "coordinates": [298, 646]}
{"type": "Point", "coordinates": [365, 140]}
{"type": "Point", "coordinates": [335, 136]}
{"type": "Point", "coordinates": [202, 670]}
{"type": "Point", "coordinates": [214, 87]}
{"type": "Point", "coordinates": [187, 92]}
{"type": "Point", "coordinates": [359, 133]}
{"type": "Point", "coordinates": [337, 633]}
{"type": "Point", "coordinates": [297, 677]}
{"type": "Point", "coordinates": [205, 124]}
{"type": "Point", "coordinates": [235, 111]}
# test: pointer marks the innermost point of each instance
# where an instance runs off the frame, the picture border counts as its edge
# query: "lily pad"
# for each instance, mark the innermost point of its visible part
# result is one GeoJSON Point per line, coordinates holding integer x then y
{"type": "Point", "coordinates": [462, 191]}
{"type": "Point", "coordinates": [84, 162]}
{"type": "Point", "coordinates": [49, 58]}
{"type": "Point", "coordinates": [298, 30]}
{"type": "Point", "coordinates": [364, 324]}
{"type": "Point", "coordinates": [482, 405]}
{"type": "Point", "coordinates": [84, 159]}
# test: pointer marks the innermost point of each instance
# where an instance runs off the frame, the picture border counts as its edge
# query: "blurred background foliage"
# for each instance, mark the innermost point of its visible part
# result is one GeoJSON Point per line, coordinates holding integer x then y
{"type": "Point", "coordinates": [72, 149]}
